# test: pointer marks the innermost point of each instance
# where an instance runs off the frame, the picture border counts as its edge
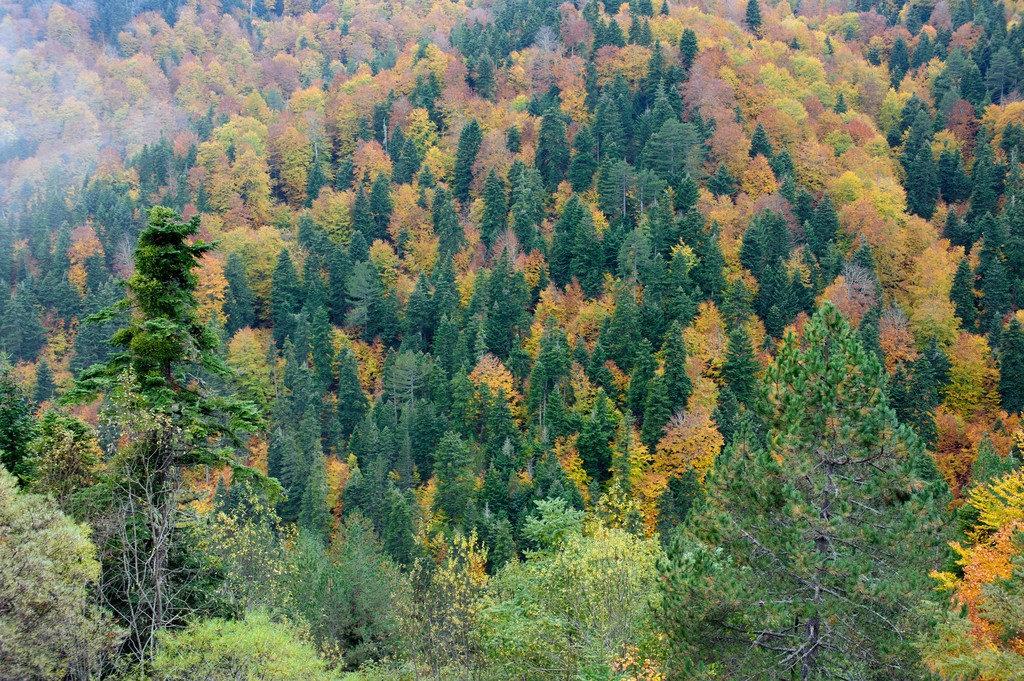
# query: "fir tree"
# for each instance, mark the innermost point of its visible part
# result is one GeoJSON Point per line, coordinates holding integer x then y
{"type": "Point", "coordinates": [44, 387]}
{"type": "Point", "coordinates": [465, 156]}
{"type": "Point", "coordinates": [446, 224]}
{"type": "Point", "coordinates": [285, 297]}
{"type": "Point", "coordinates": [380, 206]}
{"type": "Point", "coordinates": [493, 222]}
{"type": "Point", "coordinates": [552, 158]}
{"type": "Point", "coordinates": [753, 17]}
{"type": "Point", "coordinates": [239, 302]}
{"type": "Point", "coordinates": [688, 48]}
{"type": "Point", "coordinates": [584, 160]}
{"type": "Point", "coordinates": [17, 427]}
{"type": "Point", "coordinates": [760, 145]}
{"type": "Point", "coordinates": [1011, 368]}
{"type": "Point", "coordinates": [740, 369]}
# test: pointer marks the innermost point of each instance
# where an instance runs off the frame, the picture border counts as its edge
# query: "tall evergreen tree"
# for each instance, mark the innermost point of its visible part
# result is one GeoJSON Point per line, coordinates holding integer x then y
{"type": "Point", "coordinates": [552, 158]}
{"type": "Point", "coordinates": [285, 297]}
{"type": "Point", "coordinates": [465, 156]}
{"type": "Point", "coordinates": [753, 16]}
{"type": "Point", "coordinates": [769, 577]}
{"type": "Point", "coordinates": [962, 295]}
{"type": "Point", "coordinates": [741, 368]}
{"type": "Point", "coordinates": [1011, 368]}
{"type": "Point", "coordinates": [239, 302]}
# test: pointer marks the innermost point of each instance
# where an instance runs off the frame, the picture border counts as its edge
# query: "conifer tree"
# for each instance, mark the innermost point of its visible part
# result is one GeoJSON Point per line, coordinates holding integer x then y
{"type": "Point", "coordinates": [962, 295]}
{"type": "Point", "coordinates": [352, 403]}
{"type": "Point", "coordinates": [673, 357]}
{"type": "Point", "coordinates": [922, 184]}
{"type": "Point", "coordinates": [44, 387]}
{"type": "Point", "coordinates": [753, 17]}
{"type": "Point", "coordinates": [285, 297]}
{"type": "Point", "coordinates": [314, 513]}
{"type": "Point", "coordinates": [446, 224]}
{"type": "Point", "coordinates": [239, 302]}
{"type": "Point", "coordinates": [584, 160]}
{"type": "Point", "coordinates": [552, 159]}
{"type": "Point", "coordinates": [339, 269]}
{"type": "Point", "coordinates": [769, 575]}
{"type": "Point", "coordinates": [740, 368]}
{"type": "Point", "coordinates": [380, 206]}
{"type": "Point", "coordinates": [17, 427]}
{"type": "Point", "coordinates": [1011, 368]}
{"type": "Point", "coordinates": [760, 145]}
{"type": "Point", "coordinates": [495, 216]}
{"type": "Point", "coordinates": [453, 466]}
{"type": "Point", "coordinates": [688, 48]}
{"type": "Point", "coordinates": [465, 156]}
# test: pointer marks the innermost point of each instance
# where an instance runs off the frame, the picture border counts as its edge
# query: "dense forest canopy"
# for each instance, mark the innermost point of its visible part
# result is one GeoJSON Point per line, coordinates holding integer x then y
{"type": "Point", "coordinates": [512, 339]}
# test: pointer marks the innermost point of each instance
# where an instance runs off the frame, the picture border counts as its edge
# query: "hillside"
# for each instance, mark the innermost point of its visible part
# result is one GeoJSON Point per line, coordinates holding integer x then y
{"type": "Point", "coordinates": [511, 340]}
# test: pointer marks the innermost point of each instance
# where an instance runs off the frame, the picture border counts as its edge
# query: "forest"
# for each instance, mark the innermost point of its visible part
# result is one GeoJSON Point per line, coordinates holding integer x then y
{"type": "Point", "coordinates": [575, 340]}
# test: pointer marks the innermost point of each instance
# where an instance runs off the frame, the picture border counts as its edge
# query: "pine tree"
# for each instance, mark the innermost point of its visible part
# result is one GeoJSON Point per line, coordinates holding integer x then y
{"type": "Point", "coordinates": [772, 575]}
{"type": "Point", "coordinates": [465, 156]}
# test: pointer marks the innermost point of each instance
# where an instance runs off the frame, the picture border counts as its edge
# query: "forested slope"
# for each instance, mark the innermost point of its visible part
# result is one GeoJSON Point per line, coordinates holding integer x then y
{"type": "Point", "coordinates": [511, 340]}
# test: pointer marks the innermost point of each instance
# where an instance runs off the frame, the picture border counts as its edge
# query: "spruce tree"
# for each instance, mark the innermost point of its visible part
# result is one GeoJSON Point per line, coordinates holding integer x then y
{"type": "Point", "coordinates": [314, 513]}
{"type": "Point", "coordinates": [962, 295]}
{"type": "Point", "coordinates": [688, 48]}
{"type": "Point", "coordinates": [922, 184]}
{"type": "Point", "coordinates": [673, 357]}
{"type": "Point", "coordinates": [453, 467]}
{"type": "Point", "coordinates": [760, 145]}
